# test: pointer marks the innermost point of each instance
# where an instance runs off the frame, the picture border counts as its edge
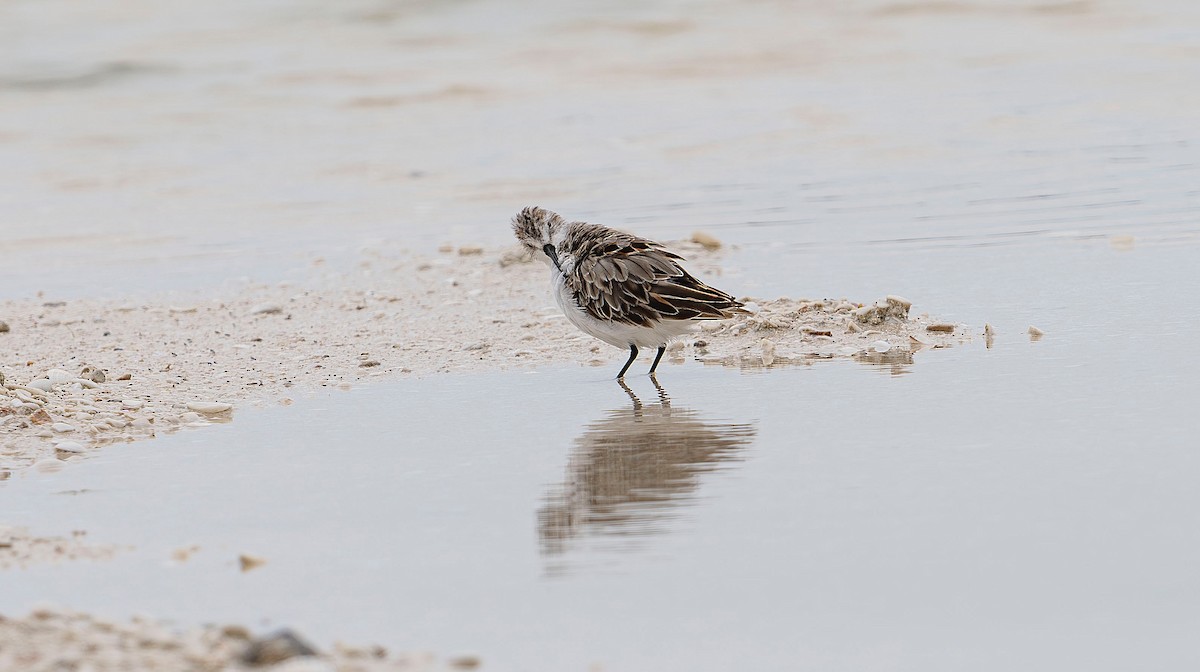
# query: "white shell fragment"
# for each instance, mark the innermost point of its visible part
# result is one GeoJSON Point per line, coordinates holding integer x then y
{"type": "Point", "coordinates": [132, 404]}
{"type": "Point", "coordinates": [768, 351]}
{"type": "Point", "coordinates": [59, 377]}
{"type": "Point", "coordinates": [209, 407]}
{"type": "Point", "coordinates": [69, 446]}
{"type": "Point", "coordinates": [881, 346]}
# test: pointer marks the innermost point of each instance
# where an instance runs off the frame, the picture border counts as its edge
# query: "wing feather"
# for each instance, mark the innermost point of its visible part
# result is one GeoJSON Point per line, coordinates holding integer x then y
{"type": "Point", "coordinates": [635, 281]}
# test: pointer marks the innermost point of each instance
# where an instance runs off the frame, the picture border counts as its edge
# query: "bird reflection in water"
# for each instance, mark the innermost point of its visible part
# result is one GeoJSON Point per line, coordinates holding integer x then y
{"type": "Point", "coordinates": [631, 470]}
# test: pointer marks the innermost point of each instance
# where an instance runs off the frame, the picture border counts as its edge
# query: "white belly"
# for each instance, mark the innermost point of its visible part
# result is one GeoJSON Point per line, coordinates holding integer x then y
{"type": "Point", "coordinates": [615, 333]}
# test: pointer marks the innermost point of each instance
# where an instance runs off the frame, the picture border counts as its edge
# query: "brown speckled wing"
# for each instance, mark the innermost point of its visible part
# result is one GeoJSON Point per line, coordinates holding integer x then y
{"type": "Point", "coordinates": [632, 280]}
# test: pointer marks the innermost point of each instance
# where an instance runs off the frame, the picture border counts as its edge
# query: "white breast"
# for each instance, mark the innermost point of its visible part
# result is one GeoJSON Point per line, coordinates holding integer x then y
{"type": "Point", "coordinates": [614, 333]}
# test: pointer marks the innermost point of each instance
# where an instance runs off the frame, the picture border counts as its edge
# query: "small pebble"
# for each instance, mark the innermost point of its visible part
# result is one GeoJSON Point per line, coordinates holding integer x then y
{"type": "Point", "coordinates": [93, 374]}
{"type": "Point", "coordinates": [941, 328]}
{"type": "Point", "coordinates": [3, 327]}
{"type": "Point", "coordinates": [132, 404]}
{"type": "Point", "coordinates": [267, 309]}
{"type": "Point", "coordinates": [1035, 334]}
{"type": "Point", "coordinates": [469, 250]}
{"type": "Point", "coordinates": [276, 648]}
{"type": "Point", "coordinates": [989, 335]}
{"type": "Point", "coordinates": [42, 384]}
{"type": "Point", "coordinates": [62, 427]}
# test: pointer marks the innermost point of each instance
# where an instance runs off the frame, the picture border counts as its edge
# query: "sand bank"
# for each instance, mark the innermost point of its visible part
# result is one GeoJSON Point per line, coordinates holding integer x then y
{"type": "Point", "coordinates": [84, 374]}
{"type": "Point", "coordinates": [48, 639]}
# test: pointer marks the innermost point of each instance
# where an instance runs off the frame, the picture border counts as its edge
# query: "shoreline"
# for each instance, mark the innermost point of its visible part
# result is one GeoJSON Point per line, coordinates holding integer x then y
{"type": "Point", "coordinates": [85, 374]}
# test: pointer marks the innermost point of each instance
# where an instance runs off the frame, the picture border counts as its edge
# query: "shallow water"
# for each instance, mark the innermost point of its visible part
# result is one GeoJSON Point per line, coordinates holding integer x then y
{"type": "Point", "coordinates": [1029, 505]}
{"type": "Point", "coordinates": [154, 145]}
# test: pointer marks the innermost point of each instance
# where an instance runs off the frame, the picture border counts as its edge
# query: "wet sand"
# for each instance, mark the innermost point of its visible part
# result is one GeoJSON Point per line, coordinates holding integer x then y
{"type": "Point", "coordinates": [88, 373]}
{"type": "Point", "coordinates": [48, 640]}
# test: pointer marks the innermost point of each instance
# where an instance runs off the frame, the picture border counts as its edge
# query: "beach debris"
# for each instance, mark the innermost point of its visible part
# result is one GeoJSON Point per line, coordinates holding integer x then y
{"type": "Point", "coordinates": [469, 250]}
{"type": "Point", "coordinates": [247, 562]}
{"type": "Point", "coordinates": [19, 548]}
{"type": "Point", "coordinates": [59, 377]}
{"type": "Point", "coordinates": [49, 638]}
{"type": "Point", "coordinates": [889, 307]}
{"type": "Point", "coordinates": [941, 328]}
{"type": "Point", "coordinates": [1122, 243]}
{"type": "Point", "coordinates": [209, 407]}
{"type": "Point", "coordinates": [276, 648]}
{"type": "Point", "coordinates": [93, 374]}
{"type": "Point", "coordinates": [1035, 334]}
{"type": "Point", "coordinates": [71, 447]}
{"type": "Point", "coordinates": [184, 554]}
{"type": "Point", "coordinates": [3, 327]}
{"type": "Point", "coordinates": [768, 351]}
{"type": "Point", "coordinates": [989, 335]}
{"type": "Point", "coordinates": [705, 240]}
{"type": "Point", "coordinates": [267, 309]}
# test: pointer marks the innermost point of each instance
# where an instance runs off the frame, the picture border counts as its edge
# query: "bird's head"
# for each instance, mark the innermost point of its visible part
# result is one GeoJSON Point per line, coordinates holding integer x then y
{"type": "Point", "coordinates": [541, 232]}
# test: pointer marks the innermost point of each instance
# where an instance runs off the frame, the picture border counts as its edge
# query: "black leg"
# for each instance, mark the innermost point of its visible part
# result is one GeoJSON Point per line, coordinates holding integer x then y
{"type": "Point", "coordinates": [632, 356]}
{"type": "Point", "coordinates": [661, 349]}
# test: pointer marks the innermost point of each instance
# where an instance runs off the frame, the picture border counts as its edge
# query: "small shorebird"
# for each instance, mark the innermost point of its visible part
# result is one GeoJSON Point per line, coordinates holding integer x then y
{"type": "Point", "coordinates": [624, 290]}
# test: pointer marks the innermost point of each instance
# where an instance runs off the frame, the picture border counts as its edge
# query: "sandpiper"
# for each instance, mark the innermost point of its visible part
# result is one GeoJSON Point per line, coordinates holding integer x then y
{"type": "Point", "coordinates": [625, 290]}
